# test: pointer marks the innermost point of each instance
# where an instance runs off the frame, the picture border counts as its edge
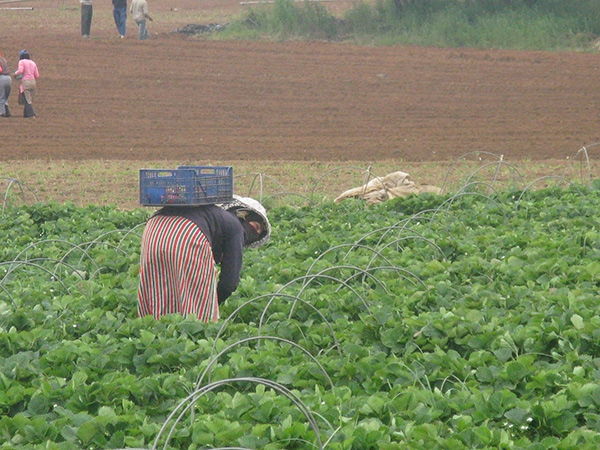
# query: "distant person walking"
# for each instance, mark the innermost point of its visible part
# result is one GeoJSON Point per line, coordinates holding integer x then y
{"type": "Point", "coordinates": [27, 72]}
{"type": "Point", "coordinates": [5, 87]}
{"type": "Point", "coordinates": [139, 12]}
{"type": "Point", "coordinates": [120, 15]}
{"type": "Point", "coordinates": [87, 11]}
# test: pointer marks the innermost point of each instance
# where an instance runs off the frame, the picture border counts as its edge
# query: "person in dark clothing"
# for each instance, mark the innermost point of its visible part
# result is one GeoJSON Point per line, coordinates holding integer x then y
{"type": "Point", "coordinates": [180, 249]}
{"type": "Point", "coordinates": [120, 15]}
{"type": "Point", "coordinates": [87, 12]}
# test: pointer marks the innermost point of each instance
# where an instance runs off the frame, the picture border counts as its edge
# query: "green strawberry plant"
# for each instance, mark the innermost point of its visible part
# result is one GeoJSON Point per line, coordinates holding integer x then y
{"type": "Point", "coordinates": [454, 322]}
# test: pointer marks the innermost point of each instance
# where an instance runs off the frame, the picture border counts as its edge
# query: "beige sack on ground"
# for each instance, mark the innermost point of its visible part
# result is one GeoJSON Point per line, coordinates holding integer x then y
{"type": "Point", "coordinates": [393, 185]}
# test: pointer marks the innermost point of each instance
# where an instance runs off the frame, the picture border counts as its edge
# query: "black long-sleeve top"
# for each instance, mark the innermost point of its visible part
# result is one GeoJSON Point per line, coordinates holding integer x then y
{"type": "Point", "coordinates": [225, 234]}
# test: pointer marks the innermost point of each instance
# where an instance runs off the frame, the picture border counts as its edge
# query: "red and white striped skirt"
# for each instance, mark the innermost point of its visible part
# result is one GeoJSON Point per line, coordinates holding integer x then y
{"type": "Point", "coordinates": [177, 270]}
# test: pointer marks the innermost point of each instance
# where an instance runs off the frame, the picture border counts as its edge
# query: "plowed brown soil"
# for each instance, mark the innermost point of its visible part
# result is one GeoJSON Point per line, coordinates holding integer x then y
{"type": "Point", "coordinates": [175, 97]}
{"type": "Point", "coordinates": [178, 99]}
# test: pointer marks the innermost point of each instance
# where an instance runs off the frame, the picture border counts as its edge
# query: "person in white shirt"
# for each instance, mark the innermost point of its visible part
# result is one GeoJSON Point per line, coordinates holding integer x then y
{"type": "Point", "coordinates": [139, 12]}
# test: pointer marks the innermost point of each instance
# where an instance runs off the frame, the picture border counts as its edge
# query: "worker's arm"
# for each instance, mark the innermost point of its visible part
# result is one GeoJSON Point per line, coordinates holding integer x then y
{"type": "Point", "coordinates": [146, 12]}
{"type": "Point", "coordinates": [231, 264]}
{"type": "Point", "coordinates": [20, 69]}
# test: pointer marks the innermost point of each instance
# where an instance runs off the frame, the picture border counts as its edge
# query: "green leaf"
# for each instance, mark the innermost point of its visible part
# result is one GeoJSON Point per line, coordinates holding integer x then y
{"type": "Point", "coordinates": [593, 269]}
{"type": "Point", "coordinates": [251, 441]}
{"type": "Point", "coordinates": [577, 321]}
{"type": "Point", "coordinates": [107, 412]}
{"type": "Point", "coordinates": [564, 423]}
{"type": "Point", "coordinates": [374, 404]}
{"type": "Point", "coordinates": [516, 371]}
{"type": "Point", "coordinates": [38, 405]}
{"type": "Point", "coordinates": [87, 431]}
{"type": "Point", "coordinates": [69, 433]}
{"type": "Point", "coordinates": [504, 353]}
{"type": "Point", "coordinates": [146, 337]}
{"type": "Point", "coordinates": [518, 416]}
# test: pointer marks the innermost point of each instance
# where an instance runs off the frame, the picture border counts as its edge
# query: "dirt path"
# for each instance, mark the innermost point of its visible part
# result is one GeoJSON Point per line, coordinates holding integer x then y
{"type": "Point", "coordinates": [183, 99]}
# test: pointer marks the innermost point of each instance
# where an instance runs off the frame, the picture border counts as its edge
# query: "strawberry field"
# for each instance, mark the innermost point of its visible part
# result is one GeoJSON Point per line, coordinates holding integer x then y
{"type": "Point", "coordinates": [463, 321]}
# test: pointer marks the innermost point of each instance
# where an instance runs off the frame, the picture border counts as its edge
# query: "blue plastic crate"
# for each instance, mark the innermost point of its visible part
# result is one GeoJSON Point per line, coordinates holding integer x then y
{"type": "Point", "coordinates": [186, 186]}
{"type": "Point", "coordinates": [214, 182]}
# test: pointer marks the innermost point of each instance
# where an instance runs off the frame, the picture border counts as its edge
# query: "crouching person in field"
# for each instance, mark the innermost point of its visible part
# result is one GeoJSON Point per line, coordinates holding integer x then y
{"type": "Point", "coordinates": [181, 246]}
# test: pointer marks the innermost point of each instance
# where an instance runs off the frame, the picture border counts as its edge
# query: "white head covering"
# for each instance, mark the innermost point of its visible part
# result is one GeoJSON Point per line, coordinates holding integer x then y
{"type": "Point", "coordinates": [249, 204]}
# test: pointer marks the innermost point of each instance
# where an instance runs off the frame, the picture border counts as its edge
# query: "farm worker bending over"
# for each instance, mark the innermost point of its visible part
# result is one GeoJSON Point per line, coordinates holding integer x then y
{"type": "Point", "coordinates": [139, 12]}
{"type": "Point", "coordinates": [180, 247]}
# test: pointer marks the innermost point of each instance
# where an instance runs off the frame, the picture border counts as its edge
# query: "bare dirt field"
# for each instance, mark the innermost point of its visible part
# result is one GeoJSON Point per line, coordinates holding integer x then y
{"type": "Point", "coordinates": [174, 99]}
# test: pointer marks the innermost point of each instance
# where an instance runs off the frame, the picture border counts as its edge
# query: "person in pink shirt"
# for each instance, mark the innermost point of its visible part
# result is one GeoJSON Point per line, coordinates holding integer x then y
{"type": "Point", "coordinates": [27, 72]}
